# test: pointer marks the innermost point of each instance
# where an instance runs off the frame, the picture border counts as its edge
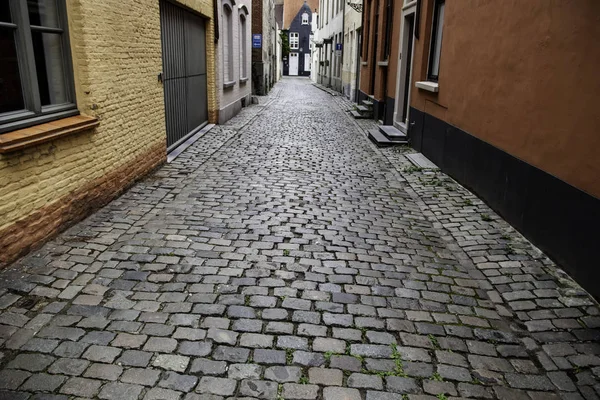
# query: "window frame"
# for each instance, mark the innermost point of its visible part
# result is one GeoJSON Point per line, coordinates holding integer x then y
{"type": "Point", "coordinates": [433, 42]}
{"type": "Point", "coordinates": [228, 68]}
{"type": "Point", "coordinates": [243, 46]}
{"type": "Point", "coordinates": [34, 113]}
{"type": "Point", "coordinates": [305, 22]}
{"type": "Point", "coordinates": [297, 40]}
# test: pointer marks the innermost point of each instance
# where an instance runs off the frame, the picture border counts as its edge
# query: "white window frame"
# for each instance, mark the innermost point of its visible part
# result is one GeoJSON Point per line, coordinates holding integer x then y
{"type": "Point", "coordinates": [228, 70]}
{"type": "Point", "coordinates": [294, 40]}
{"type": "Point", "coordinates": [243, 45]}
{"type": "Point", "coordinates": [305, 18]}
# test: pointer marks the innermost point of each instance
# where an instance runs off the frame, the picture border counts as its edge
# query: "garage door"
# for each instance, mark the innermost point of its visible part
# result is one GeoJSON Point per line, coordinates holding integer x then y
{"type": "Point", "coordinates": [183, 37]}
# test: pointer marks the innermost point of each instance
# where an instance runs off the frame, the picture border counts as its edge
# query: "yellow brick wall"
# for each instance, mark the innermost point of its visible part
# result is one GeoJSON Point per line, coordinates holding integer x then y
{"type": "Point", "coordinates": [116, 51]}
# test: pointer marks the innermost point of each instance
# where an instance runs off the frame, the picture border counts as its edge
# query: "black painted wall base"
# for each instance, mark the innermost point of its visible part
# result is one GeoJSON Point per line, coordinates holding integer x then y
{"type": "Point", "coordinates": [361, 96]}
{"type": "Point", "coordinates": [383, 111]}
{"type": "Point", "coordinates": [388, 117]}
{"type": "Point", "coordinates": [558, 218]}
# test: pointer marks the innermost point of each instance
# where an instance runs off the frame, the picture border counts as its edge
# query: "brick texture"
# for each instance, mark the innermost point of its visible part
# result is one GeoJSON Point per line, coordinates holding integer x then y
{"type": "Point", "coordinates": [116, 51]}
{"type": "Point", "coordinates": [30, 232]}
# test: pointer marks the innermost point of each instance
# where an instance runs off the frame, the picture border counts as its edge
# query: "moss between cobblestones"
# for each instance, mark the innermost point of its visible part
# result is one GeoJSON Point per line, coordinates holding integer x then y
{"type": "Point", "coordinates": [434, 342]}
{"type": "Point", "coordinates": [486, 217]}
{"type": "Point", "coordinates": [437, 377]}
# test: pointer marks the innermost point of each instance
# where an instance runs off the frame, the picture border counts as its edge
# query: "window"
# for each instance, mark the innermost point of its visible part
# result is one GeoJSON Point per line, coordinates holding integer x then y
{"type": "Point", "coordinates": [305, 19]}
{"type": "Point", "coordinates": [436, 41]}
{"type": "Point", "coordinates": [387, 44]}
{"type": "Point", "coordinates": [365, 43]}
{"type": "Point", "coordinates": [294, 40]}
{"type": "Point", "coordinates": [243, 48]}
{"type": "Point", "coordinates": [36, 81]}
{"type": "Point", "coordinates": [227, 44]}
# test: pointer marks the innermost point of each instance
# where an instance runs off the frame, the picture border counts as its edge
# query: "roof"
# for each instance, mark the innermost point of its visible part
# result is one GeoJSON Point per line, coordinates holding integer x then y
{"type": "Point", "coordinates": [292, 7]}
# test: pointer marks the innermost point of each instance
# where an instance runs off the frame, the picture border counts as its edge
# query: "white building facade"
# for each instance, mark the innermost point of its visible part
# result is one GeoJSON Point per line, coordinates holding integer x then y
{"type": "Point", "coordinates": [352, 43]}
{"type": "Point", "coordinates": [234, 59]}
{"type": "Point", "coordinates": [330, 35]}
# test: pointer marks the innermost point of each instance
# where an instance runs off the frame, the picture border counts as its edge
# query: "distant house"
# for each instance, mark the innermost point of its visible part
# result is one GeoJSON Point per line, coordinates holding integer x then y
{"type": "Point", "coordinates": [298, 61]}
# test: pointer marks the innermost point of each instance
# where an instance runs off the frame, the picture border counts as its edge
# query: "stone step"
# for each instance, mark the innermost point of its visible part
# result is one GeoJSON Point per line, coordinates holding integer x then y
{"type": "Point", "coordinates": [358, 115]}
{"type": "Point", "coordinates": [392, 133]}
{"type": "Point", "coordinates": [363, 109]}
{"type": "Point", "coordinates": [381, 141]}
{"type": "Point", "coordinates": [368, 103]}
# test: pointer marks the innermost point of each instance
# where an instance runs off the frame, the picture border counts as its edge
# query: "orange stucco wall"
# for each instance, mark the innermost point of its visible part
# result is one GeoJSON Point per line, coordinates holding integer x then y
{"type": "Point", "coordinates": [379, 90]}
{"type": "Point", "coordinates": [523, 76]}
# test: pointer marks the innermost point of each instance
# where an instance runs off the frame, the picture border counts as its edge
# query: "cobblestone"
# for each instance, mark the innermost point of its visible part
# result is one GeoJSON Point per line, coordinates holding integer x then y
{"type": "Point", "coordinates": [284, 255]}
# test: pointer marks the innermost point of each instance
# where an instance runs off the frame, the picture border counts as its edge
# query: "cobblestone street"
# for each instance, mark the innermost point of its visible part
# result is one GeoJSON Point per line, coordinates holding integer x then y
{"type": "Point", "coordinates": [284, 256]}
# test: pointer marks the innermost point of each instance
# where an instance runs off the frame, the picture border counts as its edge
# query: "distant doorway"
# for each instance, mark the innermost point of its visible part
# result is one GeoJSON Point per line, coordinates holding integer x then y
{"type": "Point", "coordinates": [306, 62]}
{"type": "Point", "coordinates": [405, 65]}
{"type": "Point", "coordinates": [293, 64]}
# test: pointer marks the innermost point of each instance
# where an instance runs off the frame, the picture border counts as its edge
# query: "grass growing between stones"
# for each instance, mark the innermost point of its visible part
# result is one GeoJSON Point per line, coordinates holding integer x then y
{"type": "Point", "coordinates": [437, 377]}
{"type": "Point", "coordinates": [398, 368]}
{"type": "Point", "coordinates": [434, 342]}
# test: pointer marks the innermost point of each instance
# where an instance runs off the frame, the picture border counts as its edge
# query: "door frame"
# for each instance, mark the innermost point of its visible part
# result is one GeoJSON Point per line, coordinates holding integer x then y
{"type": "Point", "coordinates": [309, 62]}
{"type": "Point", "coordinates": [408, 10]}
{"type": "Point", "coordinates": [297, 58]}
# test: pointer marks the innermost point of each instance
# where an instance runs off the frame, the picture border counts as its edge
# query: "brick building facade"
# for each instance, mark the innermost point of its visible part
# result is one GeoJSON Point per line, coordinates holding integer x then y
{"type": "Point", "coordinates": [75, 145]}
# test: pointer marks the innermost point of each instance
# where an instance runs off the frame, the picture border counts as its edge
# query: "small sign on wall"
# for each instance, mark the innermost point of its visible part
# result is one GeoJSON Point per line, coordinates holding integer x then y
{"type": "Point", "coordinates": [256, 40]}
{"type": "Point", "coordinates": [338, 49]}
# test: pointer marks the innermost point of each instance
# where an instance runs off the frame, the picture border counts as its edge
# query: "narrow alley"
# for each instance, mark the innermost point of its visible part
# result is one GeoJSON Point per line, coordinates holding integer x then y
{"type": "Point", "coordinates": [284, 256]}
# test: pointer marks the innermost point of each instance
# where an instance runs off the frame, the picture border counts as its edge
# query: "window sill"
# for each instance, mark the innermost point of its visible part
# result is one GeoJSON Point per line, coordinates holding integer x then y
{"type": "Point", "coordinates": [428, 85]}
{"type": "Point", "coordinates": [228, 85]}
{"type": "Point", "coordinates": [243, 80]}
{"type": "Point", "coordinates": [364, 63]}
{"type": "Point", "coordinates": [28, 137]}
{"type": "Point", "coordinates": [383, 63]}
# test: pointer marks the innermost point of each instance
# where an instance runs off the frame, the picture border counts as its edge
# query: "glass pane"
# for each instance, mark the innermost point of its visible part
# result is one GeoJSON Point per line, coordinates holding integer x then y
{"type": "Point", "coordinates": [11, 94]}
{"type": "Point", "coordinates": [4, 11]}
{"type": "Point", "coordinates": [43, 13]}
{"type": "Point", "coordinates": [49, 64]}
{"type": "Point", "coordinates": [435, 67]}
